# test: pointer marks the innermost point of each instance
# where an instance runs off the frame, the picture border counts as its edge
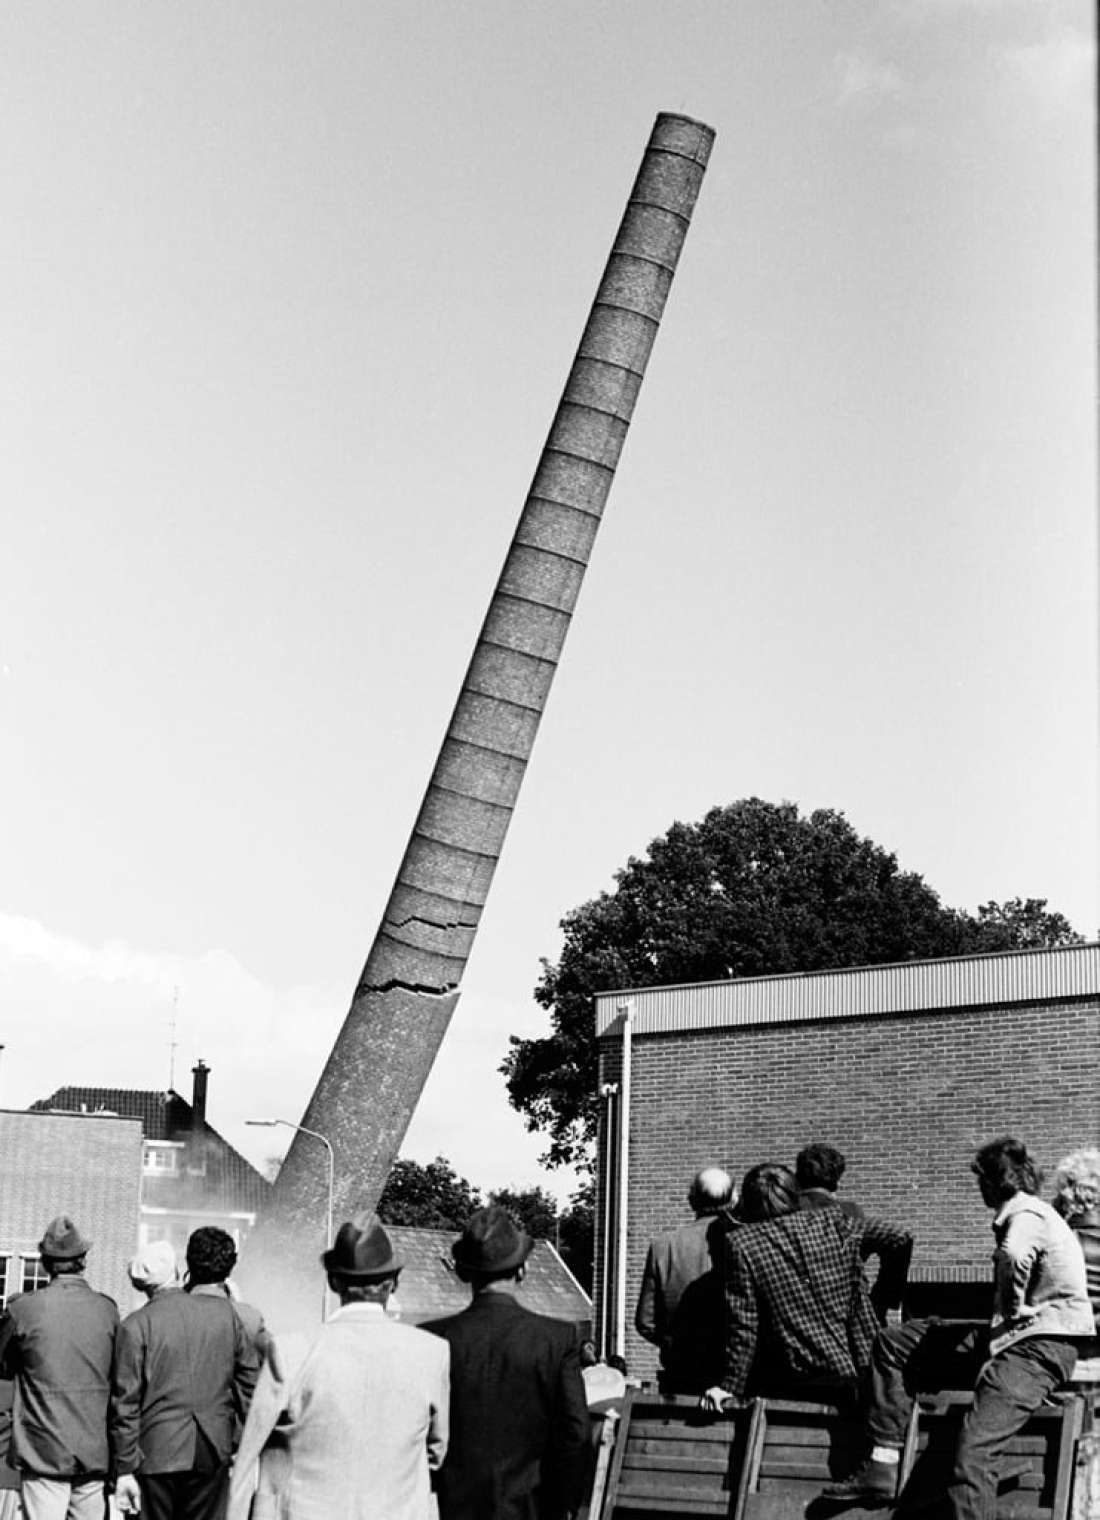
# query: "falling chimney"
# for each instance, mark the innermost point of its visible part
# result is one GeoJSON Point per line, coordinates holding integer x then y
{"type": "Point", "coordinates": [197, 1159]}
{"type": "Point", "coordinates": [410, 984]}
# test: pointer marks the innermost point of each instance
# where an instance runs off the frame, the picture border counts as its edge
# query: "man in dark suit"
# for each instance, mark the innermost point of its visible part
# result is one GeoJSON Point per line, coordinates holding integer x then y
{"type": "Point", "coordinates": [184, 1373]}
{"type": "Point", "coordinates": [211, 1256]}
{"type": "Point", "coordinates": [680, 1305]}
{"type": "Point", "coordinates": [56, 1345]}
{"type": "Point", "coordinates": [519, 1423]}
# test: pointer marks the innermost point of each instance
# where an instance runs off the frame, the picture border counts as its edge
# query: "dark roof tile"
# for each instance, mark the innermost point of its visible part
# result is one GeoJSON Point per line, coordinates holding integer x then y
{"type": "Point", "coordinates": [230, 1181]}
{"type": "Point", "coordinates": [429, 1288]}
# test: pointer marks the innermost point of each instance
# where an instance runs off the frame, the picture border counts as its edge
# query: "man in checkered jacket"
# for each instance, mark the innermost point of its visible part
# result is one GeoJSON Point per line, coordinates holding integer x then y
{"type": "Point", "coordinates": [799, 1310]}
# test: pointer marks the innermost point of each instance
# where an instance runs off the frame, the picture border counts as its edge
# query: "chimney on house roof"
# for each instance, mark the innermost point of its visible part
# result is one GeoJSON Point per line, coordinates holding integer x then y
{"type": "Point", "coordinates": [197, 1160]}
{"type": "Point", "coordinates": [200, 1071]}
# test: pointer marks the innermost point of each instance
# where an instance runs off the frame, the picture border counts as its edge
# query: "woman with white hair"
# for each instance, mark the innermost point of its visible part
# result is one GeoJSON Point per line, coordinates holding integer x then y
{"type": "Point", "coordinates": [1077, 1199]}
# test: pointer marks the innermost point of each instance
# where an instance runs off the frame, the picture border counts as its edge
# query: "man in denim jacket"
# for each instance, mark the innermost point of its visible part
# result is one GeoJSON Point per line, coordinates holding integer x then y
{"type": "Point", "coordinates": [1040, 1311]}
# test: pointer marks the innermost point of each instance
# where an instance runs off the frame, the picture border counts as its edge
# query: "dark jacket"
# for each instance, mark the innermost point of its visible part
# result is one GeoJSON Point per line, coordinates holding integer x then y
{"type": "Point", "coordinates": [798, 1305]}
{"type": "Point", "coordinates": [184, 1367]}
{"type": "Point", "coordinates": [680, 1305]}
{"type": "Point", "coordinates": [519, 1424]}
{"type": "Point", "coordinates": [57, 1345]}
{"type": "Point", "coordinates": [823, 1198]}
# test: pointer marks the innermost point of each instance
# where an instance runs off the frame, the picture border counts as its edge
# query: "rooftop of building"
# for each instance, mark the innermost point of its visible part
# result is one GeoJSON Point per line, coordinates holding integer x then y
{"type": "Point", "coordinates": [964, 981]}
{"type": "Point", "coordinates": [230, 1180]}
{"type": "Point", "coordinates": [429, 1288]}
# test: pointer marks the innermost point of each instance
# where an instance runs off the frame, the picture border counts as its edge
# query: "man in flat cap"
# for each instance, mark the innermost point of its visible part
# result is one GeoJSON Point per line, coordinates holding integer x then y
{"type": "Point", "coordinates": [353, 1424]}
{"type": "Point", "coordinates": [184, 1373]}
{"type": "Point", "coordinates": [57, 1346]}
{"type": "Point", "coordinates": [519, 1422]}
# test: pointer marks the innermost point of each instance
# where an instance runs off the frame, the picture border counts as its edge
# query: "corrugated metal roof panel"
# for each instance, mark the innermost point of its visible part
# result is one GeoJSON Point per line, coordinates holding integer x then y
{"type": "Point", "coordinates": [972, 981]}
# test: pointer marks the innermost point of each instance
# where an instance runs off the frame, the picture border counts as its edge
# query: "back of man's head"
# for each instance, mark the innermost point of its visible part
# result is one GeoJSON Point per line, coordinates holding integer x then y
{"type": "Point", "coordinates": [1003, 1167]}
{"type": "Point", "coordinates": [63, 1248]}
{"type": "Point", "coordinates": [768, 1191]}
{"type": "Point", "coordinates": [211, 1255]}
{"type": "Point", "coordinates": [155, 1268]}
{"type": "Point", "coordinates": [819, 1166]}
{"type": "Point", "coordinates": [492, 1249]}
{"type": "Point", "coordinates": [711, 1189]}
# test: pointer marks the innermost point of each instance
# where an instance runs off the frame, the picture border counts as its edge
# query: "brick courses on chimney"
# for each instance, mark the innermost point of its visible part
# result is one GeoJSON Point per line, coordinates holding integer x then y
{"type": "Point", "coordinates": [907, 1092]}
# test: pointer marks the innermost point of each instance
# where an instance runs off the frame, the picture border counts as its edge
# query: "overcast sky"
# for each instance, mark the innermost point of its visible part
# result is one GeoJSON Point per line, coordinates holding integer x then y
{"type": "Point", "coordinates": [289, 294]}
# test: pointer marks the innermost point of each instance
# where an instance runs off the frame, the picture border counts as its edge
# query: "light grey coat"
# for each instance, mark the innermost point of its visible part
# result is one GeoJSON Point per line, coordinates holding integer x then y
{"type": "Point", "coordinates": [350, 1425]}
{"type": "Point", "coordinates": [1039, 1283]}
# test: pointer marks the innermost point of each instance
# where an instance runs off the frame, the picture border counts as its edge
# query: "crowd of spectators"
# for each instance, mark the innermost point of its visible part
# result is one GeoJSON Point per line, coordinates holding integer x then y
{"type": "Point", "coordinates": [768, 1293]}
{"type": "Point", "coordinates": [188, 1409]}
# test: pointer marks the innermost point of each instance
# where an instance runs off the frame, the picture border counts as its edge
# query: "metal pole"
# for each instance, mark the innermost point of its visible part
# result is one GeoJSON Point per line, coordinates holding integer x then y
{"type": "Point", "coordinates": [314, 1135]}
{"type": "Point", "coordinates": [626, 1009]}
{"type": "Point", "coordinates": [607, 1210]}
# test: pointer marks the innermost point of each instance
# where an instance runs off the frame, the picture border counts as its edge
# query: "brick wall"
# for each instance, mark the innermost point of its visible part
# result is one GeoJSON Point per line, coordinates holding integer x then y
{"type": "Point", "coordinates": [84, 1165]}
{"type": "Point", "coordinates": [906, 1097]}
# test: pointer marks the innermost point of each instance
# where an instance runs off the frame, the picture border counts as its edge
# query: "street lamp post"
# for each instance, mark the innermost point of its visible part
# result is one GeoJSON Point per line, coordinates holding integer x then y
{"type": "Point", "coordinates": [327, 1143]}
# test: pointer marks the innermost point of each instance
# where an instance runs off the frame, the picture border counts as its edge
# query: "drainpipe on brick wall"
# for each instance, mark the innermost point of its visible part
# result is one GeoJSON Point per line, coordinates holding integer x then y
{"type": "Point", "coordinates": [626, 1009]}
{"type": "Point", "coordinates": [608, 1093]}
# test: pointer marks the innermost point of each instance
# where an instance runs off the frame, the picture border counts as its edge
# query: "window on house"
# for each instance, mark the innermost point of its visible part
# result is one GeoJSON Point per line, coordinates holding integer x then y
{"type": "Point", "coordinates": [33, 1275]}
{"type": "Point", "coordinates": [159, 1158]}
{"type": "Point", "coordinates": [7, 1287]}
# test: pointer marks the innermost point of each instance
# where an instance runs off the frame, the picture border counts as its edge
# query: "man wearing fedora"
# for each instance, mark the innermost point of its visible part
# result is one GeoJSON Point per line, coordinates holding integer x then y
{"type": "Point", "coordinates": [184, 1372]}
{"type": "Point", "coordinates": [57, 1345]}
{"type": "Point", "coordinates": [519, 1422]}
{"type": "Point", "coordinates": [352, 1425]}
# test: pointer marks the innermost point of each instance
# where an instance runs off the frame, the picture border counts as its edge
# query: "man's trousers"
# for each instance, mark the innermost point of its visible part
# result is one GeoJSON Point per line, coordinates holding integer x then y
{"type": "Point", "coordinates": [63, 1498]}
{"type": "Point", "coordinates": [200, 1494]}
{"type": "Point", "coordinates": [1008, 1388]}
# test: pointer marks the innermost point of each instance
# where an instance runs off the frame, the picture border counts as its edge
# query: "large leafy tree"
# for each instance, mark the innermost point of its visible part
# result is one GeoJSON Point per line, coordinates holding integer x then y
{"type": "Point", "coordinates": [1021, 924]}
{"type": "Point", "coordinates": [432, 1196]}
{"type": "Point", "coordinates": [577, 1233]}
{"type": "Point", "coordinates": [533, 1209]}
{"type": "Point", "coordinates": [753, 889]}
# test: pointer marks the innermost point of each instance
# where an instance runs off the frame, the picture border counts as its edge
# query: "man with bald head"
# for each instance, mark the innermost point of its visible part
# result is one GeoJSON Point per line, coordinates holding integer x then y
{"type": "Point", "coordinates": [681, 1304]}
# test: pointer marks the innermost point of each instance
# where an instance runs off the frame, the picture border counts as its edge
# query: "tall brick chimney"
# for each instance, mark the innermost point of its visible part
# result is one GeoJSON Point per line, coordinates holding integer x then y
{"type": "Point", "coordinates": [410, 984]}
{"type": "Point", "coordinates": [200, 1071]}
{"type": "Point", "coordinates": [196, 1161]}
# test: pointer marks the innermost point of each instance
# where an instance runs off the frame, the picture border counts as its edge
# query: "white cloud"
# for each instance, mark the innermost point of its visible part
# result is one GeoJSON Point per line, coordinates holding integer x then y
{"type": "Point", "coordinates": [863, 80]}
{"type": "Point", "coordinates": [1057, 72]}
{"type": "Point", "coordinates": [102, 1015]}
{"type": "Point", "coordinates": [29, 942]}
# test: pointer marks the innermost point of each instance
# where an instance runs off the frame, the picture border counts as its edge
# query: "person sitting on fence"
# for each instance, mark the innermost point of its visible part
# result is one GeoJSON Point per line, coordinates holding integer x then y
{"type": "Point", "coordinates": [818, 1170]}
{"type": "Point", "coordinates": [1040, 1308]}
{"type": "Point", "coordinates": [1076, 1186]}
{"type": "Point", "coordinates": [799, 1309]}
{"type": "Point", "coordinates": [680, 1303]}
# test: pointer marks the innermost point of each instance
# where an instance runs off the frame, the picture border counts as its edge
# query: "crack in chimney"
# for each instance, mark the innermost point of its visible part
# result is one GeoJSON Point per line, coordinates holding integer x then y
{"type": "Point", "coordinates": [432, 923]}
{"type": "Point", "coordinates": [418, 989]}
